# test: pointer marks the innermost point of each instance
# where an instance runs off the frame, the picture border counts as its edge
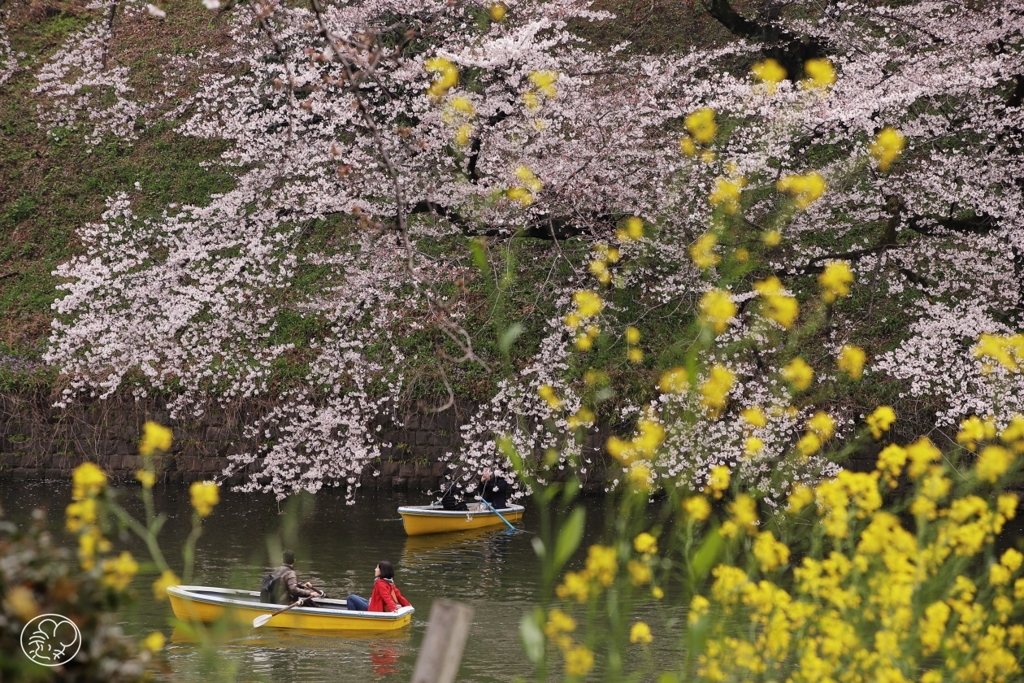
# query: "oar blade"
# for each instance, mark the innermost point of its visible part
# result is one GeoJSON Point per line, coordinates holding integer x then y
{"type": "Point", "coordinates": [260, 620]}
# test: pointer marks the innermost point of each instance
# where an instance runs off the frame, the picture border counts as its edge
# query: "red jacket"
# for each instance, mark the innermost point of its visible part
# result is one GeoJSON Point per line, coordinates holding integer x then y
{"type": "Point", "coordinates": [385, 595]}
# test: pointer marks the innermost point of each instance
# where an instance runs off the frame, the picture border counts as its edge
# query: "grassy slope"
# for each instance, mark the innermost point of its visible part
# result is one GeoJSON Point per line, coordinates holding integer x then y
{"type": "Point", "coordinates": [50, 186]}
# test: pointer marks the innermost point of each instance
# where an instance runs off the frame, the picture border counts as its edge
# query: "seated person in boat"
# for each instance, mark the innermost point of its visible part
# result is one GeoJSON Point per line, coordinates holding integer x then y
{"type": "Point", "coordinates": [284, 586]}
{"type": "Point", "coordinates": [385, 597]}
{"type": "Point", "coordinates": [492, 488]}
{"type": "Point", "coordinates": [451, 498]}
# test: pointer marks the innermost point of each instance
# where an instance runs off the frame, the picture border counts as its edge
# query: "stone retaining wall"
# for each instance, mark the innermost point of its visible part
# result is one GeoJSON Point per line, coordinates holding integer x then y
{"type": "Point", "coordinates": [38, 441]}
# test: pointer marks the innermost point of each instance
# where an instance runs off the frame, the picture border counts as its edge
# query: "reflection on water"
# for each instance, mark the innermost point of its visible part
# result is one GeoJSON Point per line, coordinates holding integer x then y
{"type": "Point", "coordinates": [337, 547]}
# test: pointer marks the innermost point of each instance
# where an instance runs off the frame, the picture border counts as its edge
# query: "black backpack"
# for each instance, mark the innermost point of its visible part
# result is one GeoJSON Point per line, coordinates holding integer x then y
{"type": "Point", "coordinates": [268, 588]}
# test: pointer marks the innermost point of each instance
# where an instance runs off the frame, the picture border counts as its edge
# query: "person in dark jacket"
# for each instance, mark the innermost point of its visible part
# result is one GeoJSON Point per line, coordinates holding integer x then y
{"type": "Point", "coordinates": [493, 489]}
{"type": "Point", "coordinates": [287, 588]}
{"type": "Point", "coordinates": [452, 497]}
{"type": "Point", "coordinates": [385, 597]}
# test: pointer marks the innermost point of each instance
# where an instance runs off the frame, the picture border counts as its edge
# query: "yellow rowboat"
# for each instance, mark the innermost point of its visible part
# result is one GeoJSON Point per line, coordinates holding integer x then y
{"type": "Point", "coordinates": [202, 603]}
{"type": "Point", "coordinates": [434, 519]}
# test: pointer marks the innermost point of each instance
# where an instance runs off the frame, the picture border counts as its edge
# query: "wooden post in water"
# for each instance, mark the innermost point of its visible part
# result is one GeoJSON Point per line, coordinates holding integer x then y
{"type": "Point", "coordinates": [441, 652]}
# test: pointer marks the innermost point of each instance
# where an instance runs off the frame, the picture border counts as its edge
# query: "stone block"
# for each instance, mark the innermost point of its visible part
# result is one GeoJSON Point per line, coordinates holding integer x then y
{"type": "Point", "coordinates": [406, 470]}
{"type": "Point", "coordinates": [218, 434]}
{"type": "Point", "coordinates": [212, 465]}
{"type": "Point", "coordinates": [389, 468]}
{"type": "Point", "coordinates": [399, 483]}
{"type": "Point", "coordinates": [51, 473]}
{"type": "Point", "coordinates": [423, 470]}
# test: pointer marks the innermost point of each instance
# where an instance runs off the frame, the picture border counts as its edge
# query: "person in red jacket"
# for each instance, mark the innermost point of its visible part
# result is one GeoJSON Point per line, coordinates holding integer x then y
{"type": "Point", "coordinates": [385, 598]}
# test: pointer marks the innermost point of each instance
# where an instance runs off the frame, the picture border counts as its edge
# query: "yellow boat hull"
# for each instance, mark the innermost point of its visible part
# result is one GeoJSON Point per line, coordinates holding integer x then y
{"type": "Point", "coordinates": [200, 603]}
{"type": "Point", "coordinates": [427, 519]}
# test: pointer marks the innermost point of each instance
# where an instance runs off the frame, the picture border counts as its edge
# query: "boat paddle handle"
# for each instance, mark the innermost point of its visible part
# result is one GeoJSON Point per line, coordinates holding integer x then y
{"type": "Point", "coordinates": [491, 508]}
{"type": "Point", "coordinates": [264, 618]}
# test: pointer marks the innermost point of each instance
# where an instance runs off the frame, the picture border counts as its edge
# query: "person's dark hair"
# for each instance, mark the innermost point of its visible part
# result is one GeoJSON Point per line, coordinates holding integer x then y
{"type": "Point", "coordinates": [288, 556]}
{"type": "Point", "coordinates": [386, 570]}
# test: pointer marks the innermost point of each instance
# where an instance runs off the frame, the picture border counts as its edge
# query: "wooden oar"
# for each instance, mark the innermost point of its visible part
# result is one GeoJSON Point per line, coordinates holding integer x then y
{"type": "Point", "coordinates": [264, 618]}
{"type": "Point", "coordinates": [491, 508]}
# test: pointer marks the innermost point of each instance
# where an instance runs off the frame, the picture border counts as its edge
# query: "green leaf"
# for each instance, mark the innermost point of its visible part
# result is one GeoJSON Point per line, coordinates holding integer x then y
{"type": "Point", "coordinates": [509, 337]}
{"type": "Point", "coordinates": [707, 554]}
{"type": "Point", "coordinates": [569, 537]}
{"type": "Point", "coordinates": [532, 636]}
{"type": "Point", "coordinates": [476, 248]}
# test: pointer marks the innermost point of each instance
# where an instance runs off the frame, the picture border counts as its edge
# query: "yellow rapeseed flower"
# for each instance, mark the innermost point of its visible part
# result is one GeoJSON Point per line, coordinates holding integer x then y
{"type": "Point", "coordinates": [697, 507]}
{"type": "Point", "coordinates": [545, 82]}
{"type": "Point", "coordinates": [520, 194]}
{"type": "Point", "coordinates": [498, 11]}
{"type": "Point", "coordinates": [204, 494]}
{"type": "Point", "coordinates": [146, 477]}
{"type": "Point", "coordinates": [588, 303]}
{"type": "Point", "coordinates": [822, 424]}
{"type": "Point", "coordinates": [645, 543]}
{"type": "Point", "coordinates": [726, 193]}
{"type": "Point", "coordinates": [769, 553]}
{"type": "Point", "coordinates": [635, 355]}
{"type": "Point", "coordinates": [798, 373]}
{"type": "Point", "coordinates": [851, 360]}
{"type": "Point", "coordinates": [820, 73]}
{"type": "Point", "coordinates": [771, 238]}
{"type": "Point", "coordinates": [805, 189]}
{"type": "Point", "coordinates": [687, 146]}
{"type": "Point", "coordinates": [547, 392]}
{"type": "Point", "coordinates": [155, 438]}
{"type": "Point", "coordinates": [602, 564]}
{"type": "Point", "coordinates": [753, 445]}
{"type": "Point", "coordinates": [1008, 350]}
{"type": "Point", "coordinates": [922, 454]}
{"type": "Point", "coordinates": [754, 416]}
{"type": "Point", "coordinates": [880, 420]}
{"type": "Point", "coordinates": [702, 251]}
{"type": "Point", "coordinates": [800, 497]}
{"type": "Point", "coordinates": [640, 633]}
{"type": "Point", "coordinates": [744, 513]}
{"type": "Point", "coordinates": [769, 72]}
{"type": "Point", "coordinates": [154, 642]}
{"type": "Point", "coordinates": [993, 462]}
{"type": "Point", "coordinates": [699, 607]}
{"type": "Point", "coordinates": [579, 660]}
{"type": "Point", "coordinates": [632, 231]}
{"type": "Point", "coordinates": [463, 105]}
{"type": "Point", "coordinates": [718, 481]}
{"type": "Point", "coordinates": [463, 134]}
{"type": "Point", "coordinates": [887, 146]}
{"type": "Point", "coordinates": [702, 126]}
{"type": "Point", "coordinates": [118, 572]}
{"type": "Point", "coordinates": [632, 335]}
{"type": "Point", "coordinates": [448, 76]}
{"type": "Point", "coordinates": [674, 381]}
{"type": "Point", "coordinates": [166, 580]}
{"type": "Point", "coordinates": [87, 480]}
{"type": "Point", "coordinates": [715, 390]}
{"type": "Point", "coordinates": [778, 306]}
{"type": "Point", "coordinates": [717, 309]}
{"type": "Point", "coordinates": [809, 444]}
{"type": "Point", "coordinates": [835, 281]}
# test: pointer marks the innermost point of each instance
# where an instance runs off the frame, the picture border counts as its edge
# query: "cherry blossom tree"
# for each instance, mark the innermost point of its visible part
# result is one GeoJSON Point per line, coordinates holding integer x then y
{"type": "Point", "coordinates": [417, 130]}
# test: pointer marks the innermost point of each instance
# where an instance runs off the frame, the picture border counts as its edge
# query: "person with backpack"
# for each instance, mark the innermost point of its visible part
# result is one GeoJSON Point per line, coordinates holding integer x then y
{"type": "Point", "coordinates": [282, 586]}
{"type": "Point", "coordinates": [385, 597]}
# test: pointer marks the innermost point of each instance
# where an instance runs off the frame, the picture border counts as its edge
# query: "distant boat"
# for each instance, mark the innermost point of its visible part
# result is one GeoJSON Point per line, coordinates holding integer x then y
{"type": "Point", "coordinates": [202, 603]}
{"type": "Point", "coordinates": [434, 519]}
